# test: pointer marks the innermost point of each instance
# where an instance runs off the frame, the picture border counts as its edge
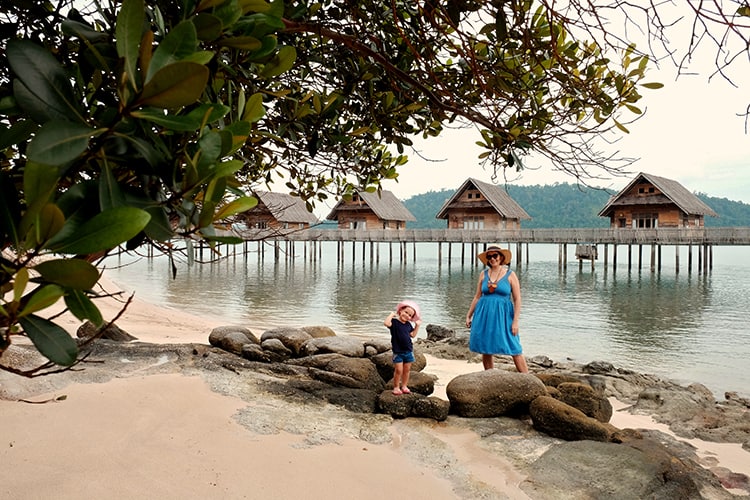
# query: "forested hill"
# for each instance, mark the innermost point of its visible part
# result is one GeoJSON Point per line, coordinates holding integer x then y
{"type": "Point", "coordinates": [564, 205]}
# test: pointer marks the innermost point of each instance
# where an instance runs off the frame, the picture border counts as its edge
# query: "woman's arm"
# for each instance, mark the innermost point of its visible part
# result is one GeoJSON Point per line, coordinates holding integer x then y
{"type": "Point", "coordinates": [515, 293]}
{"type": "Point", "coordinates": [477, 294]}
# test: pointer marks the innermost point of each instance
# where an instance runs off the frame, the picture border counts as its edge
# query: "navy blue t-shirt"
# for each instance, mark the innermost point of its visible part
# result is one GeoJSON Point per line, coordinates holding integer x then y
{"type": "Point", "coordinates": [401, 336]}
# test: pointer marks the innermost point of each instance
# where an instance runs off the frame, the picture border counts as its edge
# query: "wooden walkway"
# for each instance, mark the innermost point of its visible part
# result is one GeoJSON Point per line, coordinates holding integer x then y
{"type": "Point", "coordinates": [471, 242]}
{"type": "Point", "coordinates": [669, 236]}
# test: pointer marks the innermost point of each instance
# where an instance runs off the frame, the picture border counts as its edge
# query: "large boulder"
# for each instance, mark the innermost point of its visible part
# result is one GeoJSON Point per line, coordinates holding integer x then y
{"type": "Point", "coordinates": [335, 369]}
{"type": "Point", "coordinates": [436, 333]}
{"type": "Point", "coordinates": [111, 332]}
{"type": "Point", "coordinates": [397, 406]}
{"type": "Point", "coordinates": [431, 407]}
{"type": "Point", "coordinates": [346, 346]}
{"type": "Point", "coordinates": [589, 469]}
{"type": "Point", "coordinates": [586, 399]}
{"type": "Point", "coordinates": [232, 338]}
{"type": "Point", "coordinates": [493, 393]}
{"type": "Point", "coordinates": [319, 331]}
{"type": "Point", "coordinates": [384, 363]}
{"type": "Point", "coordinates": [563, 421]}
{"type": "Point", "coordinates": [292, 338]}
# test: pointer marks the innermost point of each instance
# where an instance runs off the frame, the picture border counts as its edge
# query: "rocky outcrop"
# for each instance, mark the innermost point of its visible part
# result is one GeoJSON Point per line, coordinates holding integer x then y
{"type": "Point", "coordinates": [493, 393]}
{"type": "Point", "coordinates": [329, 396]}
{"type": "Point", "coordinates": [563, 421]}
{"type": "Point", "coordinates": [111, 332]}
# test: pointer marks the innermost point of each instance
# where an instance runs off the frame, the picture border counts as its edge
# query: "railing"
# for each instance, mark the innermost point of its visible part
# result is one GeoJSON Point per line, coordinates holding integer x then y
{"type": "Point", "coordinates": [625, 236]}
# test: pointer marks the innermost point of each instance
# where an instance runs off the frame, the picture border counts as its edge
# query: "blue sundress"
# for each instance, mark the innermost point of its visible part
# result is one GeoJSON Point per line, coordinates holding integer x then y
{"type": "Point", "coordinates": [492, 320]}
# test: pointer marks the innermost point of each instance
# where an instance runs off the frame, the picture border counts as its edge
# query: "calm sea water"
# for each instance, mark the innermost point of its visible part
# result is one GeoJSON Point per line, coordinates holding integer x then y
{"type": "Point", "coordinates": [687, 326]}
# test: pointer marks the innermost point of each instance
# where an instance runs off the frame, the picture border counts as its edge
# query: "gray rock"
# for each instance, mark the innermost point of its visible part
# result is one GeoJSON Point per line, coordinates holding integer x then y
{"type": "Point", "coordinates": [231, 338]}
{"type": "Point", "coordinates": [276, 349]}
{"type": "Point", "coordinates": [586, 399]}
{"type": "Point", "coordinates": [586, 469]}
{"type": "Point", "coordinates": [292, 338]}
{"type": "Point", "coordinates": [111, 332]}
{"type": "Point", "coordinates": [420, 382]}
{"type": "Point", "coordinates": [346, 346]}
{"type": "Point", "coordinates": [340, 370]}
{"type": "Point", "coordinates": [436, 333]}
{"type": "Point", "coordinates": [319, 331]}
{"type": "Point", "coordinates": [255, 352]}
{"type": "Point", "coordinates": [384, 363]}
{"type": "Point", "coordinates": [431, 407]}
{"type": "Point", "coordinates": [493, 393]}
{"type": "Point", "coordinates": [563, 421]}
{"type": "Point", "coordinates": [397, 406]}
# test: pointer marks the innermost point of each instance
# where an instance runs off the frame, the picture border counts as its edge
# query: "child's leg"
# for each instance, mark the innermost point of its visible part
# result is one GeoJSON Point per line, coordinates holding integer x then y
{"type": "Point", "coordinates": [405, 376]}
{"type": "Point", "coordinates": [398, 370]}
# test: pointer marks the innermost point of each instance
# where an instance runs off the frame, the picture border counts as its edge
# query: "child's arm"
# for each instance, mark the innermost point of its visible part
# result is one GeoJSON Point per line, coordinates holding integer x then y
{"type": "Point", "coordinates": [388, 320]}
{"type": "Point", "coordinates": [416, 328]}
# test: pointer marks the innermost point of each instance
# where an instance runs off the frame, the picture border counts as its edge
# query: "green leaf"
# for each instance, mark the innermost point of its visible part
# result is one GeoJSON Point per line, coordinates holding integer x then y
{"type": "Point", "coordinates": [50, 339]}
{"type": "Point", "coordinates": [159, 227]}
{"type": "Point", "coordinates": [207, 26]}
{"type": "Point", "coordinates": [209, 113]}
{"type": "Point", "coordinates": [241, 42]}
{"type": "Point", "coordinates": [48, 222]}
{"type": "Point", "coordinates": [652, 85]}
{"type": "Point", "coordinates": [235, 207]}
{"type": "Point", "coordinates": [20, 282]}
{"type": "Point", "coordinates": [254, 109]}
{"type": "Point", "coordinates": [19, 132]}
{"type": "Point", "coordinates": [229, 240]}
{"type": "Point", "coordinates": [179, 43]}
{"type": "Point", "coordinates": [69, 273]}
{"type": "Point", "coordinates": [175, 86]}
{"type": "Point", "coordinates": [83, 307]}
{"type": "Point", "coordinates": [10, 210]}
{"type": "Point", "coordinates": [42, 86]}
{"type": "Point", "coordinates": [59, 142]}
{"type": "Point", "coordinates": [128, 34]}
{"type": "Point", "coordinates": [110, 194]}
{"type": "Point", "coordinates": [283, 61]}
{"type": "Point", "coordinates": [40, 298]}
{"type": "Point", "coordinates": [103, 232]}
{"type": "Point", "coordinates": [178, 123]}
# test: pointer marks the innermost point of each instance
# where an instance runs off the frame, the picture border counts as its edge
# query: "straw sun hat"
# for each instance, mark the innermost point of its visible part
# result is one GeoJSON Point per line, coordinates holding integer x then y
{"type": "Point", "coordinates": [495, 248]}
{"type": "Point", "coordinates": [413, 305]}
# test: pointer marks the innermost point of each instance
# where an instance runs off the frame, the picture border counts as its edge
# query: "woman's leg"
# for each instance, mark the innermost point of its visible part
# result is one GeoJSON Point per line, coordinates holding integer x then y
{"type": "Point", "coordinates": [488, 361]}
{"type": "Point", "coordinates": [520, 363]}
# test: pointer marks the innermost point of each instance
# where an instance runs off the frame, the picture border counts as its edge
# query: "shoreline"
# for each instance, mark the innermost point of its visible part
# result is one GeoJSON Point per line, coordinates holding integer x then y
{"type": "Point", "coordinates": [174, 436]}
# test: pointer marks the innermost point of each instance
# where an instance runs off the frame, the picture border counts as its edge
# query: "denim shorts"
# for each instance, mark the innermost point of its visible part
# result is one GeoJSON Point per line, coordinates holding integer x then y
{"type": "Point", "coordinates": [403, 357]}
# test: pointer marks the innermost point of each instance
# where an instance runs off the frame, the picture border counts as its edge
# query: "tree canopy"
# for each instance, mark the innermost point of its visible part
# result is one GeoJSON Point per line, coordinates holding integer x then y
{"type": "Point", "coordinates": [133, 122]}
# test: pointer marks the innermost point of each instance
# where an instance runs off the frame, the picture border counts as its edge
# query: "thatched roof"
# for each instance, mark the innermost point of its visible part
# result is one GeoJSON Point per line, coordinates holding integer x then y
{"type": "Point", "coordinates": [286, 208]}
{"type": "Point", "coordinates": [497, 196]}
{"type": "Point", "coordinates": [384, 205]}
{"type": "Point", "coordinates": [672, 192]}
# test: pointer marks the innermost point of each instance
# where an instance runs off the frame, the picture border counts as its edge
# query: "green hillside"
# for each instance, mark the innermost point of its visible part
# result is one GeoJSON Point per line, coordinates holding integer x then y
{"type": "Point", "coordinates": [564, 205]}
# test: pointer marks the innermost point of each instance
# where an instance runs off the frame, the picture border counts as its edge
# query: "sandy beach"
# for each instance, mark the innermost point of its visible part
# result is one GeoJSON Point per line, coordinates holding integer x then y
{"type": "Point", "coordinates": [148, 437]}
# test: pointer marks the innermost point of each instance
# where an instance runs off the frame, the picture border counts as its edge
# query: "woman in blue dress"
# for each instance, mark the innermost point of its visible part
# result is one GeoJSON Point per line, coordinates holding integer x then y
{"type": "Point", "coordinates": [493, 313]}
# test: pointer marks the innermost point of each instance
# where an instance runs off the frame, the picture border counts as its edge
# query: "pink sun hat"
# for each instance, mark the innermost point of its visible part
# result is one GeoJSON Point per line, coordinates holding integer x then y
{"type": "Point", "coordinates": [410, 303]}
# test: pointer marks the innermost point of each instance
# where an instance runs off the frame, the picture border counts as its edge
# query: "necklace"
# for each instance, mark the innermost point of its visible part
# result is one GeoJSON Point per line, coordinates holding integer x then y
{"type": "Point", "coordinates": [489, 277]}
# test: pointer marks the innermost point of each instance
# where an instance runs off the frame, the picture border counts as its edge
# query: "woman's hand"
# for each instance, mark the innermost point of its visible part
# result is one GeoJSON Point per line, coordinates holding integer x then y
{"type": "Point", "coordinates": [514, 328]}
{"type": "Point", "coordinates": [468, 321]}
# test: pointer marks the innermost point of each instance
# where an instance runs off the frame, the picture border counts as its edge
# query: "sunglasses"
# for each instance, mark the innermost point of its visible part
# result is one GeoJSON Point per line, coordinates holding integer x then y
{"type": "Point", "coordinates": [493, 256]}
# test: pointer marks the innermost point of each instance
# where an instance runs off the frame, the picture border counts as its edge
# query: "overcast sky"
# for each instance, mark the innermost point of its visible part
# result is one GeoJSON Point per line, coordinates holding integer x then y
{"type": "Point", "coordinates": [690, 132]}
